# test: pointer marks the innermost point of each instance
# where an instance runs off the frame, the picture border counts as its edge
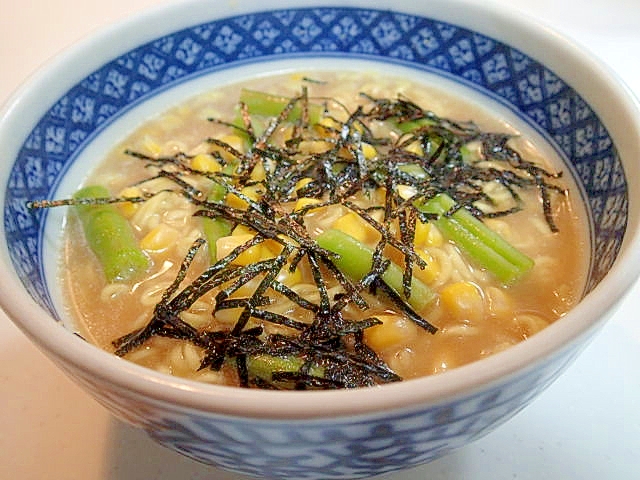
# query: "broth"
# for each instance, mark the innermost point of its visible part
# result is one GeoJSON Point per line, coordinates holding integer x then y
{"type": "Point", "coordinates": [474, 313]}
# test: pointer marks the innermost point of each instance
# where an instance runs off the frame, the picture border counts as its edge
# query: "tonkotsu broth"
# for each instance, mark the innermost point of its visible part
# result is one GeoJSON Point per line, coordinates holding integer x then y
{"type": "Point", "coordinates": [486, 317]}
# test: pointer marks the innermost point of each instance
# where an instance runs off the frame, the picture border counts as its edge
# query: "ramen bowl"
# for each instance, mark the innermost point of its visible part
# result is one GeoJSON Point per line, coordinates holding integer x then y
{"type": "Point", "coordinates": [70, 114]}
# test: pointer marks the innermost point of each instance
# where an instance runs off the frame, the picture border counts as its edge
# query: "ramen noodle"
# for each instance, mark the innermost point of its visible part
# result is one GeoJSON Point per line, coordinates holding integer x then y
{"type": "Point", "coordinates": [324, 230]}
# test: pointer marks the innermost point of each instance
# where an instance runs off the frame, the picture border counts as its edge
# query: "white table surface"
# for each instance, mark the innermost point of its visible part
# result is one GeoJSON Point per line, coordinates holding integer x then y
{"type": "Point", "coordinates": [586, 426]}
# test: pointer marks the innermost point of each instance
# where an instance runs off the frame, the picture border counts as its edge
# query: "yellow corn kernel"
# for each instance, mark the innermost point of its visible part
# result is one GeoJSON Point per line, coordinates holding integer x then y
{"type": "Point", "coordinates": [429, 273]}
{"type": "Point", "coordinates": [287, 239]}
{"type": "Point", "coordinates": [369, 151]}
{"type": "Point", "coordinates": [305, 202]}
{"type": "Point", "coordinates": [327, 124]}
{"type": "Point", "coordinates": [315, 146]}
{"type": "Point", "coordinates": [205, 163]}
{"type": "Point", "coordinates": [273, 247]}
{"type": "Point", "coordinates": [225, 245]}
{"type": "Point", "coordinates": [406, 191]}
{"type": "Point", "coordinates": [128, 208]}
{"type": "Point", "coordinates": [286, 133]}
{"type": "Point", "coordinates": [289, 278]}
{"type": "Point", "coordinates": [393, 331]}
{"type": "Point", "coordinates": [303, 182]}
{"type": "Point", "coordinates": [258, 173]}
{"type": "Point", "coordinates": [241, 229]}
{"type": "Point", "coordinates": [354, 225]}
{"type": "Point", "coordinates": [428, 235]}
{"type": "Point", "coordinates": [415, 148]}
{"type": "Point", "coordinates": [463, 301]}
{"type": "Point", "coordinates": [151, 146]}
{"type": "Point", "coordinates": [252, 192]}
{"type": "Point", "coordinates": [160, 238]}
{"type": "Point", "coordinates": [233, 141]}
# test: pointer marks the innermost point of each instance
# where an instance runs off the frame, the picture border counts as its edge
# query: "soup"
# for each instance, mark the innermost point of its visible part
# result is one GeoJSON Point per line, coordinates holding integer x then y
{"type": "Point", "coordinates": [325, 230]}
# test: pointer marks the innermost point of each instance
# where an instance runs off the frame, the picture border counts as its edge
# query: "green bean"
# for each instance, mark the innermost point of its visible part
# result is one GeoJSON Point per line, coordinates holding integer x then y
{"type": "Point", "coordinates": [413, 125]}
{"type": "Point", "coordinates": [264, 366]}
{"type": "Point", "coordinates": [268, 105]}
{"type": "Point", "coordinates": [355, 260]}
{"type": "Point", "coordinates": [484, 246]}
{"type": "Point", "coordinates": [218, 227]}
{"type": "Point", "coordinates": [110, 237]}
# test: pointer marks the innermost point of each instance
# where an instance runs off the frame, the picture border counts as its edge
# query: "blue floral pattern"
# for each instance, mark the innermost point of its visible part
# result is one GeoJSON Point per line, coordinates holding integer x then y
{"type": "Point", "coordinates": [526, 86]}
{"type": "Point", "coordinates": [541, 98]}
{"type": "Point", "coordinates": [350, 447]}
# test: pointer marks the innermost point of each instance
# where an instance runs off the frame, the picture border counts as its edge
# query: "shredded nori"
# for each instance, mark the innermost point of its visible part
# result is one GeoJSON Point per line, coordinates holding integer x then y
{"type": "Point", "coordinates": [330, 342]}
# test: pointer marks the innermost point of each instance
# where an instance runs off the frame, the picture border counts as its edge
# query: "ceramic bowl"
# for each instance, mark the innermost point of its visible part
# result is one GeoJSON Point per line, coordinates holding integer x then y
{"type": "Point", "coordinates": [58, 125]}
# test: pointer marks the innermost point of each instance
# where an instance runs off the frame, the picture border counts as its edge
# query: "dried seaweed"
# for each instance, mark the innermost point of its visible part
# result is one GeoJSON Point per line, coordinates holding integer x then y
{"type": "Point", "coordinates": [341, 171]}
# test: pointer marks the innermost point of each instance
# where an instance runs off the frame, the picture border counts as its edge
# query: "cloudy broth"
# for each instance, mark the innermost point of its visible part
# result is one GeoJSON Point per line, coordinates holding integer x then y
{"type": "Point", "coordinates": [474, 314]}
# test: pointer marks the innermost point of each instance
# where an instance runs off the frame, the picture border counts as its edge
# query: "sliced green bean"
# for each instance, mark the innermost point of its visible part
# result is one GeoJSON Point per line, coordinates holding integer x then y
{"type": "Point", "coordinates": [264, 366]}
{"type": "Point", "coordinates": [486, 247]}
{"type": "Point", "coordinates": [110, 237]}
{"type": "Point", "coordinates": [218, 227]}
{"type": "Point", "coordinates": [412, 125]}
{"type": "Point", "coordinates": [414, 170]}
{"type": "Point", "coordinates": [355, 260]}
{"type": "Point", "coordinates": [268, 105]}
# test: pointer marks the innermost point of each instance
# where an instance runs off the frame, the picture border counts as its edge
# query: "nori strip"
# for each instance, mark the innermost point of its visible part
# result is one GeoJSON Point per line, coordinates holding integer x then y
{"type": "Point", "coordinates": [329, 341]}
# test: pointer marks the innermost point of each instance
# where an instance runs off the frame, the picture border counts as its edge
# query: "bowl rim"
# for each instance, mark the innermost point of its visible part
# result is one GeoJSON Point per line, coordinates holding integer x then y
{"type": "Point", "coordinates": [603, 90]}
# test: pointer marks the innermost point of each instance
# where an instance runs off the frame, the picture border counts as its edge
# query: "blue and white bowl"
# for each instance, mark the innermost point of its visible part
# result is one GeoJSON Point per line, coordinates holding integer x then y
{"type": "Point", "coordinates": [63, 121]}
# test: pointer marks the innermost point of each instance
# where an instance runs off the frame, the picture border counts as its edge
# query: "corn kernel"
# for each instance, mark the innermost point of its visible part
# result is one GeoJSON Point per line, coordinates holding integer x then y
{"type": "Point", "coordinates": [225, 245]}
{"type": "Point", "coordinates": [369, 151]}
{"type": "Point", "coordinates": [241, 229]}
{"type": "Point", "coordinates": [393, 331]}
{"type": "Point", "coordinates": [354, 225]}
{"type": "Point", "coordinates": [128, 209]}
{"type": "Point", "coordinates": [463, 301]}
{"type": "Point", "coordinates": [286, 133]}
{"type": "Point", "coordinates": [160, 238]}
{"type": "Point", "coordinates": [151, 146]}
{"type": "Point", "coordinates": [258, 173]}
{"type": "Point", "coordinates": [305, 202]}
{"type": "Point", "coordinates": [429, 273]}
{"type": "Point", "coordinates": [205, 163]}
{"type": "Point", "coordinates": [428, 235]}
{"type": "Point", "coordinates": [303, 182]}
{"type": "Point", "coordinates": [327, 124]}
{"type": "Point", "coordinates": [357, 127]}
{"type": "Point", "coordinates": [233, 141]}
{"type": "Point", "coordinates": [288, 277]}
{"type": "Point", "coordinates": [252, 192]}
{"type": "Point", "coordinates": [415, 148]}
{"type": "Point", "coordinates": [315, 146]}
{"type": "Point", "coordinates": [273, 247]}
{"type": "Point", "coordinates": [406, 191]}
{"type": "Point", "coordinates": [288, 239]}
